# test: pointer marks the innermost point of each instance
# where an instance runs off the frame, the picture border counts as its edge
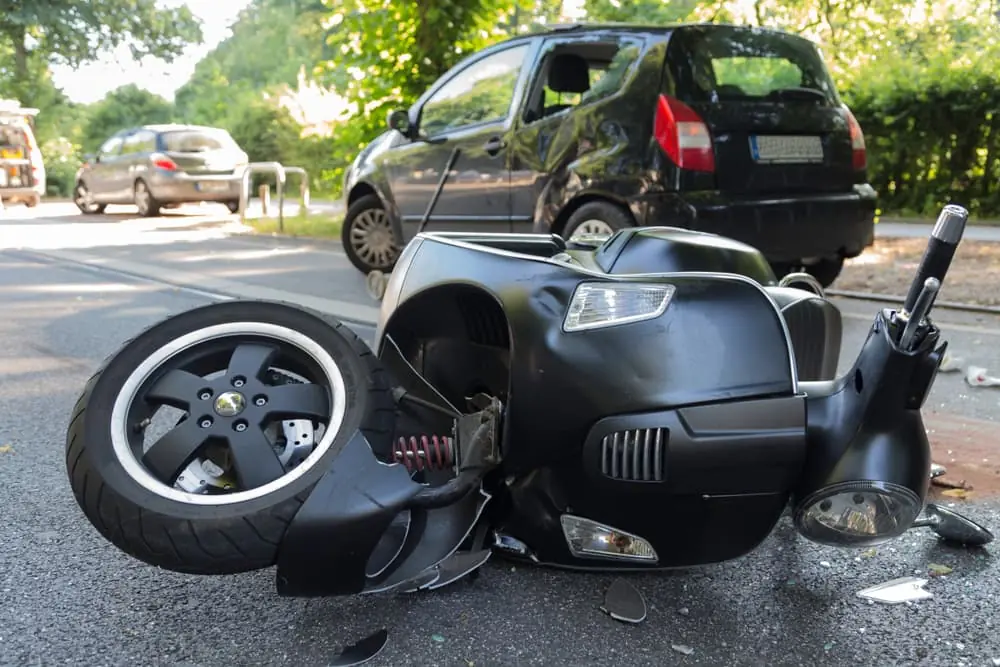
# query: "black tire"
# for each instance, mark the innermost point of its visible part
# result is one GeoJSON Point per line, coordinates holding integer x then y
{"type": "Point", "coordinates": [613, 215]}
{"type": "Point", "coordinates": [358, 213]}
{"type": "Point", "coordinates": [233, 206]}
{"type": "Point", "coordinates": [144, 200]}
{"type": "Point", "coordinates": [212, 539]}
{"type": "Point", "coordinates": [826, 271]}
{"type": "Point", "coordinates": [79, 190]}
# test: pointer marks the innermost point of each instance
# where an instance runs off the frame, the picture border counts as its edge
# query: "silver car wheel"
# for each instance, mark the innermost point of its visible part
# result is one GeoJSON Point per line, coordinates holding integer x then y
{"type": "Point", "coordinates": [372, 239]}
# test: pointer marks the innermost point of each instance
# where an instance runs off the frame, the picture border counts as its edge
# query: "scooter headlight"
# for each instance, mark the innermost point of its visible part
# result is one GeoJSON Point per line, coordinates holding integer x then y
{"type": "Point", "coordinates": [606, 304]}
{"type": "Point", "coordinates": [857, 514]}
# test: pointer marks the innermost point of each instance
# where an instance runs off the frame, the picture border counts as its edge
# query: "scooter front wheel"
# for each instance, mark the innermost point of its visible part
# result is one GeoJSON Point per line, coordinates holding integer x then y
{"type": "Point", "coordinates": [263, 396]}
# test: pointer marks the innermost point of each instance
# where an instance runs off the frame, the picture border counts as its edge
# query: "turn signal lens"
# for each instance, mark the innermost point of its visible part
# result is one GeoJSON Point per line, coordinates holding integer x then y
{"type": "Point", "coordinates": [597, 305]}
{"type": "Point", "coordinates": [589, 539]}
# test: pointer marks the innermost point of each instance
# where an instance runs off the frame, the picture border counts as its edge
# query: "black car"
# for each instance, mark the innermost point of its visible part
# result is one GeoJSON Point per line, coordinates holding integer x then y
{"type": "Point", "coordinates": [587, 129]}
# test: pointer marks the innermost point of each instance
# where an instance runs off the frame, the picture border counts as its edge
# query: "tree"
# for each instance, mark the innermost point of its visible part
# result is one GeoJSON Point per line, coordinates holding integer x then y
{"type": "Point", "coordinates": [123, 107]}
{"type": "Point", "coordinates": [76, 31]}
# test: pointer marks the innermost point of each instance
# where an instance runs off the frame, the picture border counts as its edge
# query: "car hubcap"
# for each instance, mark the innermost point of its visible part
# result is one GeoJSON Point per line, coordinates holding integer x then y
{"type": "Point", "coordinates": [259, 405]}
{"type": "Point", "coordinates": [372, 239]}
{"type": "Point", "coordinates": [592, 228]}
{"type": "Point", "coordinates": [142, 197]}
{"type": "Point", "coordinates": [83, 197]}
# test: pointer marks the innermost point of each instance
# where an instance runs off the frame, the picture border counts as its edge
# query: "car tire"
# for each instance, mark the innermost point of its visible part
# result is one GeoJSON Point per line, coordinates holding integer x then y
{"type": "Point", "coordinates": [826, 271]}
{"type": "Point", "coordinates": [242, 530]}
{"type": "Point", "coordinates": [233, 206]}
{"type": "Point", "coordinates": [144, 201]}
{"type": "Point", "coordinates": [597, 217]}
{"type": "Point", "coordinates": [367, 236]}
{"type": "Point", "coordinates": [86, 206]}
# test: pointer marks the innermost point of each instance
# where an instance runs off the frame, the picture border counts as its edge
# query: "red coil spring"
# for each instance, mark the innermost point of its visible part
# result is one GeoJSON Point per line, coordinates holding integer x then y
{"type": "Point", "coordinates": [424, 453]}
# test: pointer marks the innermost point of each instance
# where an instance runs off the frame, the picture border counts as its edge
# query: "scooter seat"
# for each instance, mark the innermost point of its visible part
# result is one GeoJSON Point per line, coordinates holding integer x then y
{"type": "Point", "coordinates": [815, 327]}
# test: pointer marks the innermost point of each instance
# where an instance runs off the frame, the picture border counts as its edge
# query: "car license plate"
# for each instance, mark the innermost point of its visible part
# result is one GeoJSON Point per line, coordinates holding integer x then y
{"type": "Point", "coordinates": [213, 186]}
{"type": "Point", "coordinates": [776, 149]}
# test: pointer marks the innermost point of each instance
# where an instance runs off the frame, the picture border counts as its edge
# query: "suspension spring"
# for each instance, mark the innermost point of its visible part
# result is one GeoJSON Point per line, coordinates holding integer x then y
{"type": "Point", "coordinates": [425, 452]}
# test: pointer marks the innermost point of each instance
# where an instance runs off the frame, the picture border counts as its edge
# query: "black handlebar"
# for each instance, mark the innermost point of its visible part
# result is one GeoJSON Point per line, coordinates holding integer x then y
{"type": "Point", "coordinates": [940, 251]}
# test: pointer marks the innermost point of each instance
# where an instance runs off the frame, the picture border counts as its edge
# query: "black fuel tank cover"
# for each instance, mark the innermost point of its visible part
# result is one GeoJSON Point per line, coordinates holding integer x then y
{"type": "Point", "coordinates": [672, 249]}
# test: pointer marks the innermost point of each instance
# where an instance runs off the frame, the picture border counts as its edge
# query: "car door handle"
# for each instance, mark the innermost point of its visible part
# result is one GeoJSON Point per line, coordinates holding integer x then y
{"type": "Point", "coordinates": [494, 145]}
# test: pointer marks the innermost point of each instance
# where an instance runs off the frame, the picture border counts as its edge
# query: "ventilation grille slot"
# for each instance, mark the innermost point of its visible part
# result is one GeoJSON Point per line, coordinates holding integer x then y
{"type": "Point", "coordinates": [635, 455]}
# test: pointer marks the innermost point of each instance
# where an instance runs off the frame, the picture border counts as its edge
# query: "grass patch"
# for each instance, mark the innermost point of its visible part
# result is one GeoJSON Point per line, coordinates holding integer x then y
{"type": "Point", "coordinates": [312, 226]}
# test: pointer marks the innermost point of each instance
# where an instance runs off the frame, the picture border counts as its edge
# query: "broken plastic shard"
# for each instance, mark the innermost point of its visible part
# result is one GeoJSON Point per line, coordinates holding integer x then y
{"type": "Point", "coordinates": [904, 589]}
{"type": "Point", "coordinates": [682, 648]}
{"type": "Point", "coordinates": [976, 376]}
{"type": "Point", "coordinates": [938, 570]}
{"type": "Point", "coordinates": [624, 602]}
{"type": "Point", "coordinates": [363, 651]}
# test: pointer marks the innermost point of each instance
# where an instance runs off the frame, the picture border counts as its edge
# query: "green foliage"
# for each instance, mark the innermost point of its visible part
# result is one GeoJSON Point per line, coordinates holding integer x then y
{"type": "Point", "coordinates": [123, 107]}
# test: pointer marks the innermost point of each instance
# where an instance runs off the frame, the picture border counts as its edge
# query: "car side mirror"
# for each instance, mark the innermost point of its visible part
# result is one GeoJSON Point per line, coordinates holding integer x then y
{"type": "Point", "coordinates": [399, 120]}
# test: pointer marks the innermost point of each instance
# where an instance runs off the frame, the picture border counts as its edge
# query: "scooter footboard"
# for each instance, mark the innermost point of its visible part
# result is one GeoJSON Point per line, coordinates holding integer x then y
{"type": "Point", "coordinates": [368, 527]}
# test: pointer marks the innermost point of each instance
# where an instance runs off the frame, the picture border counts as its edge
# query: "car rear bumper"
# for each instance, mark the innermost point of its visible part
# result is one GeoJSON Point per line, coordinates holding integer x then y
{"type": "Point", "coordinates": [181, 188]}
{"type": "Point", "coordinates": [19, 194]}
{"type": "Point", "coordinates": [799, 227]}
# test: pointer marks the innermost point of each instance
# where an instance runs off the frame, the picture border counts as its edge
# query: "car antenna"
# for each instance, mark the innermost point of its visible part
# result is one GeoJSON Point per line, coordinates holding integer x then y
{"type": "Point", "coordinates": [440, 186]}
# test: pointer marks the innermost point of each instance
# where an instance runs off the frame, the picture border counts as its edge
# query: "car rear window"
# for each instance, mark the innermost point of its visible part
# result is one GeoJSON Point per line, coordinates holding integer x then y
{"type": "Point", "coordinates": [12, 137]}
{"type": "Point", "coordinates": [197, 141]}
{"type": "Point", "coordinates": [721, 63]}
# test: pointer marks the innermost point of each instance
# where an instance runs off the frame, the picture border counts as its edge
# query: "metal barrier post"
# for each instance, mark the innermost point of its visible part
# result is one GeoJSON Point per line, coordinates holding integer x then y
{"type": "Point", "coordinates": [281, 172]}
{"type": "Point", "coordinates": [258, 167]}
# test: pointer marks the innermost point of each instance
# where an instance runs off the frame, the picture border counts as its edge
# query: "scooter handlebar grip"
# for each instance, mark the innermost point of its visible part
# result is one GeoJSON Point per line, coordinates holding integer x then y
{"type": "Point", "coordinates": [940, 251]}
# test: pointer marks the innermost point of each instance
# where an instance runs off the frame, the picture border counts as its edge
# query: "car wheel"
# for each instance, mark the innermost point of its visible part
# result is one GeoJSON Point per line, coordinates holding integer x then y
{"type": "Point", "coordinates": [143, 198]}
{"type": "Point", "coordinates": [597, 217]}
{"type": "Point", "coordinates": [84, 200]}
{"type": "Point", "coordinates": [826, 271]}
{"type": "Point", "coordinates": [233, 206]}
{"type": "Point", "coordinates": [367, 236]}
{"type": "Point", "coordinates": [268, 394]}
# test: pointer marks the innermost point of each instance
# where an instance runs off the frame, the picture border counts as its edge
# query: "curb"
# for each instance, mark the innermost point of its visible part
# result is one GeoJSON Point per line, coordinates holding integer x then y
{"type": "Point", "coordinates": [892, 298]}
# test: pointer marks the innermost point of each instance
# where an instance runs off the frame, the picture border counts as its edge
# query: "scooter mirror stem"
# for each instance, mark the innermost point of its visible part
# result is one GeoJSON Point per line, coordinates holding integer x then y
{"type": "Point", "coordinates": [940, 251]}
{"type": "Point", "coordinates": [920, 311]}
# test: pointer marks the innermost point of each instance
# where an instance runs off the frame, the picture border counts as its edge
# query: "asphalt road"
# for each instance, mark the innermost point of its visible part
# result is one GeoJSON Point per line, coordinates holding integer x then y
{"type": "Point", "coordinates": [68, 597]}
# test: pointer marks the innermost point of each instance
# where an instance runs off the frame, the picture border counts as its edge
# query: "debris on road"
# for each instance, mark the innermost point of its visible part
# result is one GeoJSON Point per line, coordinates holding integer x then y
{"type": "Point", "coordinates": [363, 651]}
{"type": "Point", "coordinates": [896, 591]}
{"type": "Point", "coordinates": [951, 364]}
{"type": "Point", "coordinates": [682, 648]}
{"type": "Point", "coordinates": [976, 376]}
{"type": "Point", "coordinates": [623, 602]}
{"type": "Point", "coordinates": [6, 449]}
{"type": "Point", "coordinates": [938, 570]}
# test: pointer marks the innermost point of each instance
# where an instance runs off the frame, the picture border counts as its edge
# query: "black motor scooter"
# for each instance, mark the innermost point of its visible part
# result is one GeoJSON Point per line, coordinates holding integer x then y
{"type": "Point", "coordinates": [550, 400]}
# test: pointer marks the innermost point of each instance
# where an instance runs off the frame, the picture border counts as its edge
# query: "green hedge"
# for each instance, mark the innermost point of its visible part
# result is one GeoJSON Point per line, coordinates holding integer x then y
{"type": "Point", "coordinates": [933, 134]}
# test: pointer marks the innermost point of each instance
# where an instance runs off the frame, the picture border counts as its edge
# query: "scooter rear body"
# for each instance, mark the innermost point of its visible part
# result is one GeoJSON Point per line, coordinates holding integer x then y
{"type": "Point", "coordinates": [693, 415]}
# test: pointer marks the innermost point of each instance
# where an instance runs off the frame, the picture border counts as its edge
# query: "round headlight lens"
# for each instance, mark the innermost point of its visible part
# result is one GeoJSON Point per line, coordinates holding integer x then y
{"type": "Point", "coordinates": [857, 514]}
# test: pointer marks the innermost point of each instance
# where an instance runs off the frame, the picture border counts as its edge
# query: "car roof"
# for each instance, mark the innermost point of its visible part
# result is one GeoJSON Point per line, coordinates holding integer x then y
{"type": "Point", "coordinates": [174, 127]}
{"type": "Point", "coordinates": [584, 28]}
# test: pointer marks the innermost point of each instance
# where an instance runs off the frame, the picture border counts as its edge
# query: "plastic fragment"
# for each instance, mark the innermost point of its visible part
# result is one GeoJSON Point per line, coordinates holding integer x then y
{"type": "Point", "coordinates": [977, 376]}
{"type": "Point", "coordinates": [682, 648]}
{"type": "Point", "coordinates": [895, 591]}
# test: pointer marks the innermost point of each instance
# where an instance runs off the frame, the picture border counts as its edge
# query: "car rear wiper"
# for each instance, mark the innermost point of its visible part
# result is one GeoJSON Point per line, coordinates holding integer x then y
{"type": "Point", "coordinates": [798, 93]}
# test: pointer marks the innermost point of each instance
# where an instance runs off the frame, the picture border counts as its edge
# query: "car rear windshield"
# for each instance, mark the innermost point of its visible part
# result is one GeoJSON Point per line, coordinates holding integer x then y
{"type": "Point", "coordinates": [198, 141]}
{"type": "Point", "coordinates": [12, 136]}
{"type": "Point", "coordinates": [722, 63]}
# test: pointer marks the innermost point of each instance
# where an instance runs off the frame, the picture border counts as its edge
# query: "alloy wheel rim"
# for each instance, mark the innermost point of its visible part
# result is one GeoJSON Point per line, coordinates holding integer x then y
{"type": "Point", "coordinates": [233, 407]}
{"type": "Point", "coordinates": [372, 239]}
{"type": "Point", "coordinates": [592, 228]}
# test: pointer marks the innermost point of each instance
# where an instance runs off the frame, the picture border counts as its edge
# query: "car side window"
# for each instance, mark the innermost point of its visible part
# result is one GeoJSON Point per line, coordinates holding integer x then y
{"type": "Point", "coordinates": [111, 147]}
{"type": "Point", "coordinates": [581, 72]}
{"type": "Point", "coordinates": [481, 93]}
{"type": "Point", "coordinates": [139, 142]}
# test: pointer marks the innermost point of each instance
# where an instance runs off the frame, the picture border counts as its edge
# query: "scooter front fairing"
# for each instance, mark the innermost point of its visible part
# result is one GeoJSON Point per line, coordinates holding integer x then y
{"type": "Point", "coordinates": [368, 527]}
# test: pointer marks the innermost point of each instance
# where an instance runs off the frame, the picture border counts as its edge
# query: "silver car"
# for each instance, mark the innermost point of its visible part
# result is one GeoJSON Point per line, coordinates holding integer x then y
{"type": "Point", "coordinates": [158, 166]}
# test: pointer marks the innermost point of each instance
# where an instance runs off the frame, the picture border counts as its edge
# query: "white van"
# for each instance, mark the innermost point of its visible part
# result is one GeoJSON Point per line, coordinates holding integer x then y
{"type": "Point", "coordinates": [22, 170]}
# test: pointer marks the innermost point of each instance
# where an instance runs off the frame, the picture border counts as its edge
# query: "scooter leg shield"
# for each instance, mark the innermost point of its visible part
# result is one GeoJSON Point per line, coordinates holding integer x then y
{"type": "Point", "coordinates": [367, 527]}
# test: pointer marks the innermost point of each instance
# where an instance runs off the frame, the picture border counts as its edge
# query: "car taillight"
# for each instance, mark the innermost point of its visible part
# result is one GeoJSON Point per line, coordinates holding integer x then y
{"type": "Point", "coordinates": [859, 154]}
{"type": "Point", "coordinates": [165, 163]}
{"type": "Point", "coordinates": [683, 135]}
